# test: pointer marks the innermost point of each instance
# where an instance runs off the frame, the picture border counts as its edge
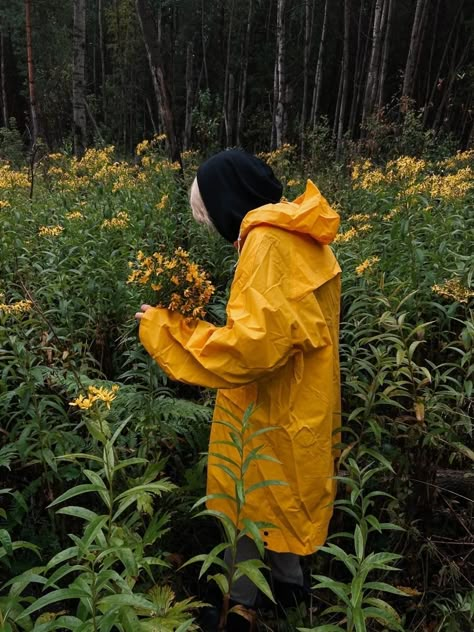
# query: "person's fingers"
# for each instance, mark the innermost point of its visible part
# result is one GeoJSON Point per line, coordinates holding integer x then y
{"type": "Point", "coordinates": [144, 308]}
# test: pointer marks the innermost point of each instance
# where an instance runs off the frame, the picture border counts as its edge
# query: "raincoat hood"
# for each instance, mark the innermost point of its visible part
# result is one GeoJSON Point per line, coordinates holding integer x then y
{"type": "Point", "coordinates": [309, 214]}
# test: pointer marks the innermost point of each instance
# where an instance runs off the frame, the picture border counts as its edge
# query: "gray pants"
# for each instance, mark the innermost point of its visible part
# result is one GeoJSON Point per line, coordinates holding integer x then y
{"type": "Point", "coordinates": [284, 567]}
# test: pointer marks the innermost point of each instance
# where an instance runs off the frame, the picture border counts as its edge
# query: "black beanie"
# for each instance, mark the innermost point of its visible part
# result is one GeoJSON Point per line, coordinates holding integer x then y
{"type": "Point", "coordinates": [232, 183]}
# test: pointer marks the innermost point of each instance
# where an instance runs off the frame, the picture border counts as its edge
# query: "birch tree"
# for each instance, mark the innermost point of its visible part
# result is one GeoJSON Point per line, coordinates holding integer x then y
{"type": "Point", "coordinates": [280, 76]}
{"type": "Point", "coordinates": [375, 56]}
{"type": "Point", "coordinates": [318, 77]}
{"type": "Point", "coordinates": [31, 75]}
{"type": "Point", "coordinates": [78, 78]}
{"type": "Point", "coordinates": [155, 61]}
{"type": "Point", "coordinates": [345, 78]}
{"type": "Point", "coordinates": [3, 77]}
{"type": "Point", "coordinates": [416, 42]}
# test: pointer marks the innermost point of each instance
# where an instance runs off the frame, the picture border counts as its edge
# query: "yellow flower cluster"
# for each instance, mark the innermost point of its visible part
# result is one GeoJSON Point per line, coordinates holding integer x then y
{"type": "Point", "coordinates": [121, 220]}
{"type": "Point", "coordinates": [279, 157]}
{"type": "Point", "coordinates": [94, 395]}
{"type": "Point", "coordinates": [449, 187]}
{"type": "Point", "coordinates": [360, 217]}
{"type": "Point", "coordinates": [12, 179]}
{"type": "Point", "coordinates": [462, 158]}
{"type": "Point", "coordinates": [74, 215]}
{"type": "Point", "coordinates": [146, 145]}
{"type": "Point", "coordinates": [391, 214]}
{"type": "Point", "coordinates": [165, 165]}
{"type": "Point", "coordinates": [454, 289]}
{"type": "Point", "coordinates": [162, 204]}
{"type": "Point", "coordinates": [366, 265]}
{"type": "Point", "coordinates": [366, 177]}
{"type": "Point", "coordinates": [293, 183]}
{"type": "Point", "coordinates": [347, 236]}
{"type": "Point", "coordinates": [4, 204]}
{"type": "Point", "coordinates": [405, 168]}
{"type": "Point", "coordinates": [50, 231]}
{"type": "Point", "coordinates": [181, 285]}
{"type": "Point", "coordinates": [20, 307]}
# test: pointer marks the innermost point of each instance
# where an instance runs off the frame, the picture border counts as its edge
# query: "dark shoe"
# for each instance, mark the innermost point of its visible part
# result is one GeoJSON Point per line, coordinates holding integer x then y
{"type": "Point", "coordinates": [208, 619]}
{"type": "Point", "coordinates": [290, 595]}
{"type": "Point", "coordinates": [241, 620]}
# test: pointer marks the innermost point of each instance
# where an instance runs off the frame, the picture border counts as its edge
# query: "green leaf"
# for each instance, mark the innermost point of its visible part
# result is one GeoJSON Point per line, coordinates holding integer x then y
{"type": "Point", "coordinates": [63, 556]}
{"type": "Point", "coordinates": [384, 587]}
{"type": "Point", "coordinates": [251, 528]}
{"type": "Point", "coordinates": [76, 491]}
{"type": "Point", "coordinates": [263, 484]}
{"type": "Point", "coordinates": [77, 512]}
{"type": "Point", "coordinates": [54, 597]}
{"type": "Point", "coordinates": [359, 543]}
{"type": "Point", "coordinates": [6, 541]}
{"type": "Point", "coordinates": [251, 569]}
{"type": "Point", "coordinates": [222, 582]}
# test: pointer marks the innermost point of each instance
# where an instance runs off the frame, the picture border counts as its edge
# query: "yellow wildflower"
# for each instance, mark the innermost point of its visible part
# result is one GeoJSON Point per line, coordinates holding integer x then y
{"type": "Point", "coordinates": [366, 265]}
{"type": "Point", "coordinates": [4, 204]}
{"type": "Point", "coordinates": [50, 231]}
{"type": "Point", "coordinates": [391, 214]}
{"type": "Point", "coordinates": [142, 147]}
{"type": "Point", "coordinates": [121, 220]}
{"type": "Point", "coordinates": [163, 202]}
{"type": "Point", "coordinates": [95, 394]}
{"type": "Point", "coordinates": [74, 215]}
{"type": "Point", "coordinates": [347, 236]}
{"type": "Point", "coordinates": [293, 183]}
{"type": "Point", "coordinates": [454, 289]}
{"type": "Point", "coordinates": [20, 307]}
{"type": "Point", "coordinates": [83, 403]}
{"type": "Point", "coordinates": [360, 217]}
{"type": "Point", "coordinates": [405, 167]}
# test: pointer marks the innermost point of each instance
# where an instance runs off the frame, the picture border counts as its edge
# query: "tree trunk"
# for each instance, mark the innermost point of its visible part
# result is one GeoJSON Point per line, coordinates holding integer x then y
{"type": "Point", "coordinates": [78, 78]}
{"type": "Point", "coordinates": [163, 98]}
{"type": "Point", "coordinates": [455, 67]}
{"type": "Point", "coordinates": [385, 53]}
{"type": "Point", "coordinates": [375, 55]}
{"type": "Point", "coordinates": [436, 83]}
{"type": "Point", "coordinates": [189, 97]}
{"type": "Point", "coordinates": [356, 90]}
{"type": "Point", "coordinates": [100, 19]}
{"type": "Point", "coordinates": [318, 77]}
{"type": "Point", "coordinates": [204, 47]}
{"type": "Point", "coordinates": [243, 82]}
{"type": "Point", "coordinates": [3, 79]}
{"type": "Point", "coordinates": [31, 74]}
{"type": "Point", "coordinates": [306, 53]}
{"type": "Point", "coordinates": [434, 43]}
{"type": "Point", "coordinates": [345, 77]}
{"type": "Point", "coordinates": [228, 79]}
{"type": "Point", "coordinates": [280, 66]}
{"type": "Point", "coordinates": [416, 41]}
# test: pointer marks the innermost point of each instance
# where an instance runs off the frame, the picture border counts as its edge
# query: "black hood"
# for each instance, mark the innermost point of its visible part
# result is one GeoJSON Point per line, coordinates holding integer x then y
{"type": "Point", "coordinates": [232, 183]}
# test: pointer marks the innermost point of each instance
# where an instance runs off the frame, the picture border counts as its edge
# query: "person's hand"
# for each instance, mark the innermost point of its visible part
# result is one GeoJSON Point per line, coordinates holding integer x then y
{"type": "Point", "coordinates": [144, 308]}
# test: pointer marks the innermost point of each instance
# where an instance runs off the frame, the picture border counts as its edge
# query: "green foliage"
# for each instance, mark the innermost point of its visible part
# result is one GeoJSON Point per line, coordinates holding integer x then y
{"type": "Point", "coordinates": [66, 324]}
{"type": "Point", "coordinates": [358, 598]}
{"type": "Point", "coordinates": [234, 529]}
{"type": "Point", "coordinates": [11, 144]}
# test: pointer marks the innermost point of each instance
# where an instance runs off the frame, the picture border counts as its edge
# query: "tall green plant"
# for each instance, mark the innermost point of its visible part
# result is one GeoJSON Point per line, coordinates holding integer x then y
{"type": "Point", "coordinates": [236, 468]}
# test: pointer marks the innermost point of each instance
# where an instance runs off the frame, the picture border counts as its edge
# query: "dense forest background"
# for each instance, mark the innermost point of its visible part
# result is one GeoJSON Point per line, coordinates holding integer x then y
{"type": "Point", "coordinates": [256, 73]}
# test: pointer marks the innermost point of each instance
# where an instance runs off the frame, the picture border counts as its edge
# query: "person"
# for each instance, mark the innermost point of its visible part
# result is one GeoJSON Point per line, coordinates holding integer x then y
{"type": "Point", "coordinates": [278, 350]}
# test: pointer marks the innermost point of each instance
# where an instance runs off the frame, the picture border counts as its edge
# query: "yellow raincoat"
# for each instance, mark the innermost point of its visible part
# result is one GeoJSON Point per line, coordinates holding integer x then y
{"type": "Point", "coordinates": [279, 350]}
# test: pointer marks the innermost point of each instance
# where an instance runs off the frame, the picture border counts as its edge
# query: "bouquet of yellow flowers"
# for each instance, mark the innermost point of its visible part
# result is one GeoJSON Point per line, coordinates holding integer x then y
{"type": "Point", "coordinates": [179, 284]}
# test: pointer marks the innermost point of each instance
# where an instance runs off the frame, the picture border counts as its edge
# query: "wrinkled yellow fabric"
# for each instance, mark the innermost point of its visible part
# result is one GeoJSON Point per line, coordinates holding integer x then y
{"type": "Point", "coordinates": [278, 350]}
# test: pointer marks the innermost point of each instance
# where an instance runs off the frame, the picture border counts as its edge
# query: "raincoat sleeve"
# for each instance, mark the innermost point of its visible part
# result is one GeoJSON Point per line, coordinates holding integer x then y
{"type": "Point", "coordinates": [264, 328]}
